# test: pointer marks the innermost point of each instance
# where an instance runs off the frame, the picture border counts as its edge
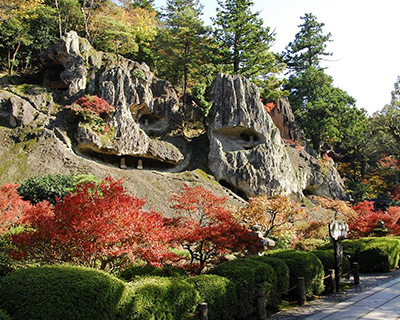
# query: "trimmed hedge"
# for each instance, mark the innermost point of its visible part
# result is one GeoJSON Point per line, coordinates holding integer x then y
{"type": "Point", "coordinates": [163, 298]}
{"type": "Point", "coordinates": [61, 292]}
{"type": "Point", "coordinates": [131, 273]}
{"type": "Point", "coordinates": [248, 275]}
{"type": "Point", "coordinates": [327, 258]}
{"type": "Point", "coordinates": [379, 254]}
{"type": "Point", "coordinates": [374, 254]}
{"type": "Point", "coordinates": [351, 248]}
{"type": "Point", "coordinates": [310, 244]}
{"type": "Point", "coordinates": [302, 264]}
{"type": "Point", "coordinates": [281, 271]}
{"type": "Point", "coordinates": [219, 293]}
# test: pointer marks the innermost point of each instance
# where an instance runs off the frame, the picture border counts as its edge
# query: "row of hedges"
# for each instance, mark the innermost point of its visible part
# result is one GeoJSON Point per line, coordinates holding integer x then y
{"type": "Point", "coordinates": [74, 293]}
{"type": "Point", "coordinates": [70, 292]}
{"type": "Point", "coordinates": [166, 293]}
{"type": "Point", "coordinates": [380, 254]}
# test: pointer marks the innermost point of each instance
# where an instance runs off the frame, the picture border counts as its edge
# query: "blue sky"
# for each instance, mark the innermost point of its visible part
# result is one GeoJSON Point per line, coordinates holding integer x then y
{"type": "Point", "coordinates": [365, 47]}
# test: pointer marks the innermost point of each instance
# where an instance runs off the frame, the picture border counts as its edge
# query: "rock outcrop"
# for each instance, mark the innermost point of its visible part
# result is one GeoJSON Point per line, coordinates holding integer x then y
{"type": "Point", "coordinates": [248, 154]}
{"type": "Point", "coordinates": [283, 117]}
{"type": "Point", "coordinates": [146, 107]}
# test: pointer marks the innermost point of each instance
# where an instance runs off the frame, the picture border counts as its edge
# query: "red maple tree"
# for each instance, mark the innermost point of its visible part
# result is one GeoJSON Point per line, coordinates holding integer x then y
{"type": "Point", "coordinates": [206, 228]}
{"type": "Point", "coordinates": [94, 104]}
{"type": "Point", "coordinates": [94, 226]}
{"type": "Point", "coordinates": [11, 206]}
{"type": "Point", "coordinates": [367, 219]}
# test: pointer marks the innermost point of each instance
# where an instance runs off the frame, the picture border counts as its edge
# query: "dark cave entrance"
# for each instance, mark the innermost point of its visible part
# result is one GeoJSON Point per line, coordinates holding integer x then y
{"type": "Point", "coordinates": [128, 162]}
{"type": "Point", "coordinates": [52, 77]}
{"type": "Point", "coordinates": [235, 190]}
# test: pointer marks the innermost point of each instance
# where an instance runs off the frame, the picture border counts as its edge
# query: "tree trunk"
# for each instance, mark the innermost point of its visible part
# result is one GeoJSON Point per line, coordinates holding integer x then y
{"type": "Point", "coordinates": [59, 18]}
{"type": "Point", "coordinates": [185, 76]}
{"type": "Point", "coordinates": [11, 61]}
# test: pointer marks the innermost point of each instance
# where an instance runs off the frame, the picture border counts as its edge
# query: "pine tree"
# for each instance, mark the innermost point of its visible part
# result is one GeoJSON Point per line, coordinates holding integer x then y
{"type": "Point", "coordinates": [182, 43]}
{"type": "Point", "coordinates": [323, 111]}
{"type": "Point", "coordinates": [243, 41]}
{"type": "Point", "coordinates": [309, 46]}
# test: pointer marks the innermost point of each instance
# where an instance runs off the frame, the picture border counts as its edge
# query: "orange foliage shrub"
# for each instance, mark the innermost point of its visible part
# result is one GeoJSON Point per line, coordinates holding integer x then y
{"type": "Point", "coordinates": [274, 215]}
{"type": "Point", "coordinates": [12, 207]}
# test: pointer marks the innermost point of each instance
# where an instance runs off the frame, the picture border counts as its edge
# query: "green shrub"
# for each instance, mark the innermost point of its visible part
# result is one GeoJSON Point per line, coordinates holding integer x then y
{"type": "Point", "coordinates": [61, 292]}
{"type": "Point", "coordinates": [219, 293]}
{"type": "Point", "coordinates": [302, 264]}
{"type": "Point", "coordinates": [131, 273]}
{"type": "Point", "coordinates": [49, 187]}
{"type": "Point", "coordinates": [164, 298]}
{"type": "Point", "coordinates": [351, 248]}
{"type": "Point", "coordinates": [379, 254]}
{"type": "Point", "coordinates": [309, 244]}
{"type": "Point", "coordinates": [327, 258]}
{"type": "Point", "coordinates": [7, 264]}
{"type": "Point", "coordinates": [248, 275]}
{"type": "Point", "coordinates": [4, 315]}
{"type": "Point", "coordinates": [281, 271]}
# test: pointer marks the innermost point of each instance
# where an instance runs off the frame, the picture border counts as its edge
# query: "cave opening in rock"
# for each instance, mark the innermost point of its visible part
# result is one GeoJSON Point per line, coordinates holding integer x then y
{"type": "Point", "coordinates": [52, 77]}
{"type": "Point", "coordinates": [239, 138]}
{"type": "Point", "coordinates": [149, 119]}
{"type": "Point", "coordinates": [235, 190]}
{"type": "Point", "coordinates": [308, 192]}
{"type": "Point", "coordinates": [128, 162]}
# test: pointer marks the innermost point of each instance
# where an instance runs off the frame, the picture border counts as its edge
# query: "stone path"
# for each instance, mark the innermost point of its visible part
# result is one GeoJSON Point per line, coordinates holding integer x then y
{"type": "Point", "coordinates": [377, 297]}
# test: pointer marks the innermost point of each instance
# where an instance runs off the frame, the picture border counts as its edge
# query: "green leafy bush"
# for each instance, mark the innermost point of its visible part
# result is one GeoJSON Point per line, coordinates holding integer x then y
{"type": "Point", "coordinates": [219, 293]}
{"type": "Point", "coordinates": [248, 275]}
{"type": "Point", "coordinates": [351, 248]}
{"type": "Point", "coordinates": [131, 273]}
{"type": "Point", "coordinates": [309, 244]}
{"type": "Point", "coordinates": [281, 271]}
{"type": "Point", "coordinates": [302, 264]}
{"type": "Point", "coordinates": [61, 292]}
{"type": "Point", "coordinates": [4, 315]}
{"type": "Point", "coordinates": [327, 258]}
{"type": "Point", "coordinates": [160, 298]}
{"type": "Point", "coordinates": [49, 187]}
{"type": "Point", "coordinates": [379, 254]}
{"type": "Point", "coordinates": [7, 265]}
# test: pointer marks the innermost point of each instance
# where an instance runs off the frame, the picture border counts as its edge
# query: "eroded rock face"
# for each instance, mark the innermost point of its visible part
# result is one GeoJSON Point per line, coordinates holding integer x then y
{"type": "Point", "coordinates": [247, 152]}
{"type": "Point", "coordinates": [145, 106]}
{"type": "Point", "coordinates": [21, 105]}
{"type": "Point", "coordinates": [283, 117]}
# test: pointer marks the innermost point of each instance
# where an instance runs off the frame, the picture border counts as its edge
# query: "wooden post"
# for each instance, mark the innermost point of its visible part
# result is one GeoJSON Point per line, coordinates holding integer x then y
{"type": "Point", "coordinates": [332, 281]}
{"type": "Point", "coordinates": [203, 311]}
{"type": "Point", "coordinates": [356, 273]}
{"type": "Point", "coordinates": [261, 312]}
{"type": "Point", "coordinates": [302, 291]}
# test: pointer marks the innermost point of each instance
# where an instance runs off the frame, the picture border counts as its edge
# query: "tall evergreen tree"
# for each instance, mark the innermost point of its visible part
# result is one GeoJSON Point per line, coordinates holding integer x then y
{"type": "Point", "coordinates": [182, 43]}
{"type": "Point", "coordinates": [322, 110]}
{"type": "Point", "coordinates": [388, 119]}
{"type": "Point", "coordinates": [243, 41]}
{"type": "Point", "coordinates": [308, 47]}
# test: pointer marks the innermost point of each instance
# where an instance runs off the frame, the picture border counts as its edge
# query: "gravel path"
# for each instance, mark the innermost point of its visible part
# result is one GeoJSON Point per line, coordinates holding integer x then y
{"type": "Point", "coordinates": [367, 281]}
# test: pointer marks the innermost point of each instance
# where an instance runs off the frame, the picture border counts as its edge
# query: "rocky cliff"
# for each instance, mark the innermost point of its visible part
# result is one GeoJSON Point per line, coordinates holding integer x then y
{"type": "Point", "coordinates": [248, 154]}
{"type": "Point", "coordinates": [242, 147]}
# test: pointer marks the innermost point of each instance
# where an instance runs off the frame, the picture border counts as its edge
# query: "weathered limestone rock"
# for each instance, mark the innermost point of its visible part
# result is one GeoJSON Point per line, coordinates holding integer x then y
{"type": "Point", "coordinates": [283, 117]}
{"type": "Point", "coordinates": [145, 107]}
{"type": "Point", "coordinates": [247, 152]}
{"type": "Point", "coordinates": [15, 110]}
{"type": "Point", "coordinates": [20, 105]}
